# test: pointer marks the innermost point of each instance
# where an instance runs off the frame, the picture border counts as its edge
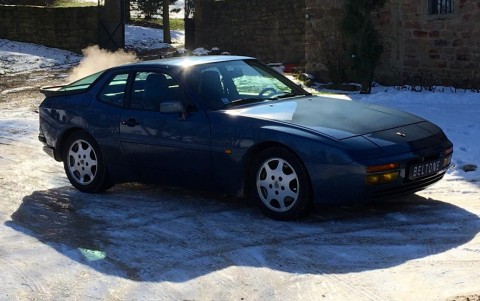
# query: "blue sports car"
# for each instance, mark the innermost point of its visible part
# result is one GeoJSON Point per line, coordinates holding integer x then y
{"type": "Point", "coordinates": [232, 124]}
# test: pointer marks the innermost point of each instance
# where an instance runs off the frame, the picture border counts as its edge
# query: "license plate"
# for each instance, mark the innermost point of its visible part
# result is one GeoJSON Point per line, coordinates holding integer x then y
{"type": "Point", "coordinates": [424, 169]}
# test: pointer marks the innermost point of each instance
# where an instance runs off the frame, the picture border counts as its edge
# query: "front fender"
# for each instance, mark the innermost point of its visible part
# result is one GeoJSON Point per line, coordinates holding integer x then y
{"type": "Point", "coordinates": [312, 148]}
{"type": "Point", "coordinates": [234, 147]}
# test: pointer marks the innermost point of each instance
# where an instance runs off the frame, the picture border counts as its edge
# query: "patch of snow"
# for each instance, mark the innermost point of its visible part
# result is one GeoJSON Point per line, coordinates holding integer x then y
{"type": "Point", "coordinates": [18, 57]}
{"type": "Point", "coordinates": [180, 6]}
{"type": "Point", "coordinates": [144, 38]}
{"type": "Point", "coordinates": [19, 89]}
{"type": "Point", "coordinates": [200, 51]}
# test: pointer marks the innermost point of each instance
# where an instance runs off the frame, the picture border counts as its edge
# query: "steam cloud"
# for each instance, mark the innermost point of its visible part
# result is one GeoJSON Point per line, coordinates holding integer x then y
{"type": "Point", "coordinates": [96, 59]}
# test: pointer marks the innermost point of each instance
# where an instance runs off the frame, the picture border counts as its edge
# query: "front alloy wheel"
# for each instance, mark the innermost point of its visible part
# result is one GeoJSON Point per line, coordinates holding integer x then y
{"type": "Point", "coordinates": [281, 184]}
{"type": "Point", "coordinates": [277, 184]}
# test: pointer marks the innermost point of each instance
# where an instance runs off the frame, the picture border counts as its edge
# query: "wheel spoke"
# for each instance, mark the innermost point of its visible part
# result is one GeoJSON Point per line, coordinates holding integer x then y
{"type": "Point", "coordinates": [264, 183]}
{"type": "Point", "coordinates": [269, 199]}
{"type": "Point", "coordinates": [90, 162]}
{"type": "Point", "coordinates": [289, 194]}
{"type": "Point", "coordinates": [269, 171]}
{"type": "Point", "coordinates": [289, 178]}
{"type": "Point", "coordinates": [281, 203]}
{"type": "Point", "coordinates": [82, 174]}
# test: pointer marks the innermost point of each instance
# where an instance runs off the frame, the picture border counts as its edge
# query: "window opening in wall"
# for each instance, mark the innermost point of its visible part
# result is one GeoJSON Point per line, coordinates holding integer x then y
{"type": "Point", "coordinates": [438, 7]}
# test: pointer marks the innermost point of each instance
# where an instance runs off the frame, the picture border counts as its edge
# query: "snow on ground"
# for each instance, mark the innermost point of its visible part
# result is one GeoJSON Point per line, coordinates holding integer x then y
{"type": "Point", "coordinates": [16, 57]}
{"type": "Point", "coordinates": [148, 243]}
{"type": "Point", "coordinates": [177, 10]}
{"type": "Point", "coordinates": [141, 38]}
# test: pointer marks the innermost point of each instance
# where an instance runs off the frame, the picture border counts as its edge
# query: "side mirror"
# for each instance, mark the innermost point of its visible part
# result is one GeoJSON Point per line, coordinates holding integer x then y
{"type": "Point", "coordinates": [173, 107]}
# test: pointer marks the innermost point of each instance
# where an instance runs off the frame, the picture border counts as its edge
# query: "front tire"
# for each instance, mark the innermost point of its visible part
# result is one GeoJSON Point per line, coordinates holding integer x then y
{"type": "Point", "coordinates": [83, 164]}
{"type": "Point", "coordinates": [280, 184]}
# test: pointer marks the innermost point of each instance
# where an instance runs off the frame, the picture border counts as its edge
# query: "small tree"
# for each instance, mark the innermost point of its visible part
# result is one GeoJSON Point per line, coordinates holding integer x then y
{"type": "Point", "coordinates": [366, 47]}
{"type": "Point", "coordinates": [152, 7]}
{"type": "Point", "coordinates": [149, 7]}
{"type": "Point", "coordinates": [333, 50]}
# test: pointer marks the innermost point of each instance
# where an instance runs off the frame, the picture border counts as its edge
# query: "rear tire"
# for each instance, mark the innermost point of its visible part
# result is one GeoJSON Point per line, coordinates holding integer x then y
{"type": "Point", "coordinates": [280, 184]}
{"type": "Point", "coordinates": [83, 164]}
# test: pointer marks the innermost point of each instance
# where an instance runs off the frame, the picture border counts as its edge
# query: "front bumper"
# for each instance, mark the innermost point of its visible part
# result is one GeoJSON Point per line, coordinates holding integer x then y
{"type": "Point", "coordinates": [406, 188]}
{"type": "Point", "coordinates": [346, 184]}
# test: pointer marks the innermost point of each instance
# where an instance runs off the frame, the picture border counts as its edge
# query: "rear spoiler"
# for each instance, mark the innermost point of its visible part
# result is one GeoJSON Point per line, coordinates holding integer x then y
{"type": "Point", "coordinates": [50, 91]}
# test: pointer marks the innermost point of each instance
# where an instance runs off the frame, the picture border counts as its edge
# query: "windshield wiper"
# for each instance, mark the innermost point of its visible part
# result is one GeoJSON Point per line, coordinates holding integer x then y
{"type": "Point", "coordinates": [287, 95]}
{"type": "Point", "coordinates": [244, 101]}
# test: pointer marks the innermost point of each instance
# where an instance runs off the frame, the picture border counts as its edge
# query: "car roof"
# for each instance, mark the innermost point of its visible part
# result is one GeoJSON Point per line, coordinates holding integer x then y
{"type": "Point", "coordinates": [187, 61]}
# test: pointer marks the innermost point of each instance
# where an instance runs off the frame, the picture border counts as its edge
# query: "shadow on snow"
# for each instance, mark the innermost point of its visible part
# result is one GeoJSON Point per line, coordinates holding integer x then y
{"type": "Point", "coordinates": [146, 233]}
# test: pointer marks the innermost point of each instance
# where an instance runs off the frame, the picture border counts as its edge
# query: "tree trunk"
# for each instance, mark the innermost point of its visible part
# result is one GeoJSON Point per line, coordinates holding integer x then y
{"type": "Point", "coordinates": [166, 22]}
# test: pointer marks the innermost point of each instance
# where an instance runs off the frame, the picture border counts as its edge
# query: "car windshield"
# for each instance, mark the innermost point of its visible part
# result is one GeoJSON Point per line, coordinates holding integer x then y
{"type": "Point", "coordinates": [233, 83]}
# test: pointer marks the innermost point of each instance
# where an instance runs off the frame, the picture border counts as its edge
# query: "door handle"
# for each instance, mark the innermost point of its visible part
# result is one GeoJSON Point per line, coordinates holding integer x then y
{"type": "Point", "coordinates": [131, 122]}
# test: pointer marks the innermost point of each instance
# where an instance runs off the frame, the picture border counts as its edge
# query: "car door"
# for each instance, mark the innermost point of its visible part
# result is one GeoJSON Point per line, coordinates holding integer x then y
{"type": "Point", "coordinates": [164, 144]}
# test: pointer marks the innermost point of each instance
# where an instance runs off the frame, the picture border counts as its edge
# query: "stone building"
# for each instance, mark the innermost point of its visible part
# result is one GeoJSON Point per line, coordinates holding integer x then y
{"type": "Point", "coordinates": [268, 29]}
{"type": "Point", "coordinates": [425, 41]}
{"type": "Point", "coordinates": [431, 40]}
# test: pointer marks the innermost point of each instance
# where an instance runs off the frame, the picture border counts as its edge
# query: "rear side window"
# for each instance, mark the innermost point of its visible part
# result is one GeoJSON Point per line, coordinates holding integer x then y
{"type": "Point", "coordinates": [114, 92]}
{"type": "Point", "coordinates": [81, 84]}
{"type": "Point", "coordinates": [150, 89]}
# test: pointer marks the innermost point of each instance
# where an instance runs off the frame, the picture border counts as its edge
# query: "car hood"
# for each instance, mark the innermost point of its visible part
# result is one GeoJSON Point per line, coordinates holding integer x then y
{"type": "Point", "coordinates": [339, 119]}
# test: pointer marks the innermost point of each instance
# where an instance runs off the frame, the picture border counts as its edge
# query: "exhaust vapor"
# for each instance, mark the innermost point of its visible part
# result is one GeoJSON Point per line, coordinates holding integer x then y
{"type": "Point", "coordinates": [96, 59]}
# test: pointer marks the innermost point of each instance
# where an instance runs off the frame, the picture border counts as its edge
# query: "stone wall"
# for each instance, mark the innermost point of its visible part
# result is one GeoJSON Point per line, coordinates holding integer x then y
{"type": "Point", "coordinates": [271, 30]}
{"type": "Point", "coordinates": [443, 49]}
{"type": "Point", "coordinates": [324, 48]}
{"type": "Point", "coordinates": [419, 48]}
{"type": "Point", "coordinates": [65, 28]}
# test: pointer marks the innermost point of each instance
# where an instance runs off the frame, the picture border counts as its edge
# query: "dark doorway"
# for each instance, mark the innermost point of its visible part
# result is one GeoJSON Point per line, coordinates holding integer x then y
{"type": "Point", "coordinates": [111, 24]}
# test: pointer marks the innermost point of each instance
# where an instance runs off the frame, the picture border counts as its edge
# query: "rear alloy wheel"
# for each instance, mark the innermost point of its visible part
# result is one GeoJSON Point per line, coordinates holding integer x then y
{"type": "Point", "coordinates": [83, 164]}
{"type": "Point", "coordinates": [281, 185]}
